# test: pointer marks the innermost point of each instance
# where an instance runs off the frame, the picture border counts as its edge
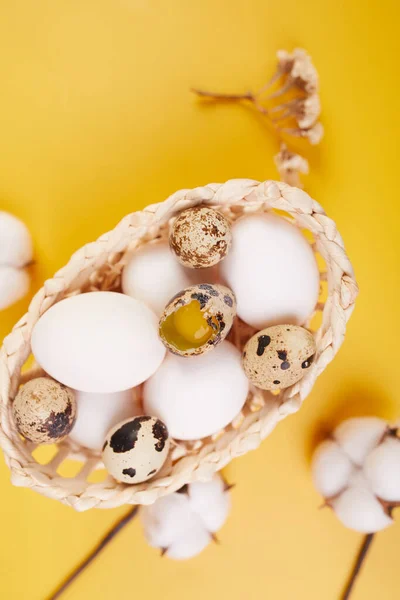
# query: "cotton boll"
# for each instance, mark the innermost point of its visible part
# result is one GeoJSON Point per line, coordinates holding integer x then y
{"type": "Point", "coordinates": [211, 501]}
{"type": "Point", "coordinates": [272, 270]}
{"type": "Point", "coordinates": [182, 524]}
{"type": "Point", "coordinates": [382, 469]}
{"type": "Point", "coordinates": [14, 285]}
{"type": "Point", "coordinates": [358, 479]}
{"type": "Point", "coordinates": [192, 543]}
{"type": "Point", "coordinates": [167, 520]}
{"type": "Point", "coordinates": [358, 436]}
{"type": "Point", "coordinates": [154, 275]}
{"type": "Point", "coordinates": [358, 509]}
{"type": "Point", "coordinates": [15, 241]}
{"type": "Point", "coordinates": [98, 413]}
{"type": "Point", "coordinates": [331, 469]}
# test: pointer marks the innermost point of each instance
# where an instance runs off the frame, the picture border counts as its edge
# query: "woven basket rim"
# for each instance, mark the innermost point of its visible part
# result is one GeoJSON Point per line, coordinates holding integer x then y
{"type": "Point", "coordinates": [238, 194]}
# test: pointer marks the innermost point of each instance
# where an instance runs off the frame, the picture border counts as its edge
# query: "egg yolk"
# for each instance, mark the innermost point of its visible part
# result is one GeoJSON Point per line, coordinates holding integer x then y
{"type": "Point", "coordinates": [190, 323]}
{"type": "Point", "coordinates": [188, 328]}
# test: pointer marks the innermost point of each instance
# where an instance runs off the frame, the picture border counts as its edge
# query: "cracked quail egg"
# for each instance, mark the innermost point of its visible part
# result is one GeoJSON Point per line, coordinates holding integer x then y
{"type": "Point", "coordinates": [44, 411]}
{"type": "Point", "coordinates": [278, 356]}
{"type": "Point", "coordinates": [136, 449]}
{"type": "Point", "coordinates": [200, 237]}
{"type": "Point", "coordinates": [197, 319]}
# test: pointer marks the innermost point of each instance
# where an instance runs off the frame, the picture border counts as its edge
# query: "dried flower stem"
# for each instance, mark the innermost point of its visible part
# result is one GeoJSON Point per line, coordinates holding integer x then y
{"type": "Point", "coordinates": [232, 97]}
{"type": "Point", "coordinates": [111, 533]}
{"type": "Point", "coordinates": [357, 566]}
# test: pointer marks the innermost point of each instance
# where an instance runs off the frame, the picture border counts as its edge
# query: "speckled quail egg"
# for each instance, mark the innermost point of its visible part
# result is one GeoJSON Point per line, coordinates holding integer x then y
{"type": "Point", "coordinates": [44, 411]}
{"type": "Point", "coordinates": [136, 449]}
{"type": "Point", "coordinates": [200, 237]}
{"type": "Point", "coordinates": [197, 319]}
{"type": "Point", "coordinates": [278, 356]}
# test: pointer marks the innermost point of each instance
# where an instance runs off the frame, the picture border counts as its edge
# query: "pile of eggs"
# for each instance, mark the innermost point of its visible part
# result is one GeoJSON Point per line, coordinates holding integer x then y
{"type": "Point", "coordinates": [130, 374]}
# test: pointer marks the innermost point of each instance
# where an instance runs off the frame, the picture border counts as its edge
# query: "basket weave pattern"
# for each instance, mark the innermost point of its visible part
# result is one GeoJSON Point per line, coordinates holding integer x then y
{"type": "Point", "coordinates": [98, 265]}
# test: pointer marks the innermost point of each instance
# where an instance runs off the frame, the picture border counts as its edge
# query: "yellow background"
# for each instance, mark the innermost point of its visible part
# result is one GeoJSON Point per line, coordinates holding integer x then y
{"type": "Point", "coordinates": [95, 122]}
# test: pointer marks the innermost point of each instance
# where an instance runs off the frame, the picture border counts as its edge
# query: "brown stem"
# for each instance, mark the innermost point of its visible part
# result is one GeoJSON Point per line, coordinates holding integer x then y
{"type": "Point", "coordinates": [115, 529]}
{"type": "Point", "coordinates": [216, 96]}
{"type": "Point", "coordinates": [357, 566]}
{"type": "Point", "coordinates": [235, 98]}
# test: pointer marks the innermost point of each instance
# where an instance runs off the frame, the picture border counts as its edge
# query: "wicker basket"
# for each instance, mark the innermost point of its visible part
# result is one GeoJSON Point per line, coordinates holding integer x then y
{"type": "Point", "coordinates": [97, 266]}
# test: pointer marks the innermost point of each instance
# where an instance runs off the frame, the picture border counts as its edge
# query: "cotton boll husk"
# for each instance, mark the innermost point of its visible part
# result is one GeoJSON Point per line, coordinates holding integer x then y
{"type": "Point", "coordinates": [331, 469]}
{"type": "Point", "coordinates": [211, 501]}
{"type": "Point", "coordinates": [382, 469]}
{"type": "Point", "coordinates": [14, 285]}
{"type": "Point", "coordinates": [167, 520]}
{"type": "Point", "coordinates": [98, 413]}
{"type": "Point", "coordinates": [190, 544]}
{"type": "Point", "coordinates": [154, 275]}
{"type": "Point", "coordinates": [358, 436]}
{"type": "Point", "coordinates": [357, 508]}
{"type": "Point", "coordinates": [15, 241]}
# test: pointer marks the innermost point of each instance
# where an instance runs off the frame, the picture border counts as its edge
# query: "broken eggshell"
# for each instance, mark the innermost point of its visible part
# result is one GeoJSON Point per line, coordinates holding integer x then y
{"type": "Point", "coordinates": [278, 356]}
{"type": "Point", "coordinates": [206, 311]}
{"type": "Point", "coordinates": [136, 449]}
{"type": "Point", "coordinates": [44, 411]}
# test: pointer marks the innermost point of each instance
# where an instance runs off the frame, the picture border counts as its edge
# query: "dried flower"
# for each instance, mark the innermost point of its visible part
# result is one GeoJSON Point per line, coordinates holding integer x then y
{"type": "Point", "coordinates": [296, 73]}
{"type": "Point", "coordinates": [314, 134]}
{"type": "Point", "coordinates": [289, 165]}
{"type": "Point", "coordinates": [305, 110]}
{"type": "Point", "coordinates": [299, 68]}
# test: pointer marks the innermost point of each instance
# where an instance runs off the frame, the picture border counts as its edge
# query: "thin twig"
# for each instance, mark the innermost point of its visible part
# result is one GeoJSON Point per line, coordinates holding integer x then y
{"type": "Point", "coordinates": [216, 96]}
{"type": "Point", "coordinates": [115, 529]}
{"type": "Point", "coordinates": [357, 566]}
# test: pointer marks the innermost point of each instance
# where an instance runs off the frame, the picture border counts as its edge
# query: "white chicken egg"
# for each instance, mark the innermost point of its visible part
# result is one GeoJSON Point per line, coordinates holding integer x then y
{"type": "Point", "coordinates": [154, 275]}
{"type": "Point", "coordinates": [272, 270]}
{"type": "Point", "coordinates": [197, 397]}
{"type": "Point", "coordinates": [98, 413]}
{"type": "Point", "coordinates": [99, 342]}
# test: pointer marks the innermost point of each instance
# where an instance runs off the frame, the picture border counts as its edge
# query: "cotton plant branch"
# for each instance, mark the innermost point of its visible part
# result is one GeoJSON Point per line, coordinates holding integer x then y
{"type": "Point", "coordinates": [358, 565]}
{"type": "Point", "coordinates": [292, 109]}
{"type": "Point", "coordinates": [215, 507]}
{"type": "Point", "coordinates": [104, 542]}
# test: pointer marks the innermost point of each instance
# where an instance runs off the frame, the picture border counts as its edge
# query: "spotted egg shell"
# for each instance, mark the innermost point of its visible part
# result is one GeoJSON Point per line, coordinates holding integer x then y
{"type": "Point", "coordinates": [278, 356]}
{"type": "Point", "coordinates": [200, 237]}
{"type": "Point", "coordinates": [215, 301]}
{"type": "Point", "coordinates": [44, 411]}
{"type": "Point", "coordinates": [136, 449]}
